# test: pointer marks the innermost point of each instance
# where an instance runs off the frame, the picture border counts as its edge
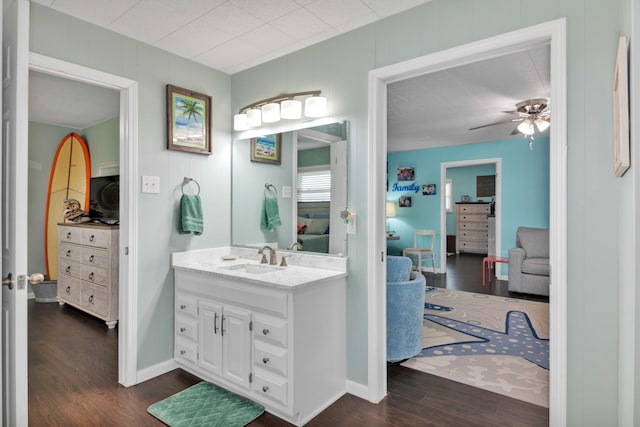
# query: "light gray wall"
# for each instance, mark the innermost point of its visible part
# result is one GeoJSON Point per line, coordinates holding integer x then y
{"type": "Point", "coordinates": [339, 68]}
{"type": "Point", "coordinates": [60, 36]}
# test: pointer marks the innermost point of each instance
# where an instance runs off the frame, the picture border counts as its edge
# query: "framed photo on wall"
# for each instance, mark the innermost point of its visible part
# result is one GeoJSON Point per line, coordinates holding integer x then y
{"type": "Point", "coordinates": [267, 149]}
{"type": "Point", "coordinates": [621, 159]}
{"type": "Point", "coordinates": [188, 120]}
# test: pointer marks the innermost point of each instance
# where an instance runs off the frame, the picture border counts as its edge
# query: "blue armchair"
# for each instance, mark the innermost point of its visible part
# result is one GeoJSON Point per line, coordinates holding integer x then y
{"type": "Point", "coordinates": [405, 309]}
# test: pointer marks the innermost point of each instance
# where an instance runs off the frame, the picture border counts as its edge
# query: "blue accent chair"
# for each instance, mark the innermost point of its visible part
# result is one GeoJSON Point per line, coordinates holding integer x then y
{"type": "Point", "coordinates": [405, 309]}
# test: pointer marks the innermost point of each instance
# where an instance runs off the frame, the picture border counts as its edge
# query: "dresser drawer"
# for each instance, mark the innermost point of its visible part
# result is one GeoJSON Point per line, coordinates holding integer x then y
{"type": "Point", "coordinates": [69, 289]}
{"type": "Point", "coordinates": [95, 237]}
{"type": "Point", "coordinates": [95, 256]}
{"type": "Point", "coordinates": [473, 226]}
{"type": "Point", "coordinates": [482, 218]}
{"type": "Point", "coordinates": [186, 350]}
{"type": "Point", "coordinates": [474, 235]}
{"type": "Point", "coordinates": [69, 234]}
{"type": "Point", "coordinates": [270, 329]}
{"type": "Point", "coordinates": [187, 305]}
{"type": "Point", "coordinates": [96, 275]}
{"type": "Point", "coordinates": [70, 252]}
{"type": "Point", "coordinates": [94, 298]}
{"type": "Point", "coordinates": [70, 268]}
{"type": "Point", "coordinates": [473, 208]}
{"type": "Point", "coordinates": [273, 359]}
{"type": "Point", "coordinates": [473, 245]}
{"type": "Point", "coordinates": [186, 327]}
{"type": "Point", "coordinates": [270, 387]}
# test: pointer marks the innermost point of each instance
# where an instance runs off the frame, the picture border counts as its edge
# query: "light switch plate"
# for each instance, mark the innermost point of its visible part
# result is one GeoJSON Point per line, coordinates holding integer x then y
{"type": "Point", "coordinates": [151, 184]}
{"type": "Point", "coordinates": [286, 191]}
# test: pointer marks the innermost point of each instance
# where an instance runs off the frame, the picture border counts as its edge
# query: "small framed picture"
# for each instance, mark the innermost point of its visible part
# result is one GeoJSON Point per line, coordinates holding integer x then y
{"type": "Point", "coordinates": [188, 120]}
{"type": "Point", "coordinates": [406, 174]}
{"type": "Point", "coordinates": [267, 149]}
{"type": "Point", "coordinates": [404, 202]}
{"type": "Point", "coordinates": [428, 189]}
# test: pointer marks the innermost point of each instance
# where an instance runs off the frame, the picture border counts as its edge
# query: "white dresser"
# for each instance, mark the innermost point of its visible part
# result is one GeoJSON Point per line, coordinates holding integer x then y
{"type": "Point", "coordinates": [88, 269]}
{"type": "Point", "coordinates": [472, 227]}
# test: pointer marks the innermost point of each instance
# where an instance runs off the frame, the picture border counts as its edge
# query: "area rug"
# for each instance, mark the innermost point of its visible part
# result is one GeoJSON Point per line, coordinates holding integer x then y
{"type": "Point", "coordinates": [495, 343]}
{"type": "Point", "coordinates": [205, 404]}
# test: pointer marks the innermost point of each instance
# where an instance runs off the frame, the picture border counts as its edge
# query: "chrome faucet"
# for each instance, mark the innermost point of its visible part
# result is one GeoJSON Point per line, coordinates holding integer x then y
{"type": "Point", "coordinates": [295, 244]}
{"type": "Point", "coordinates": [272, 256]}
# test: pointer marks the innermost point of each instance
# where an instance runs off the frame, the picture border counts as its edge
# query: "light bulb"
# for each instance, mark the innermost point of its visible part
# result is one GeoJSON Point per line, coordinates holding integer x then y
{"type": "Point", "coordinates": [291, 109]}
{"type": "Point", "coordinates": [271, 112]}
{"type": "Point", "coordinates": [542, 125]}
{"type": "Point", "coordinates": [254, 117]}
{"type": "Point", "coordinates": [240, 122]}
{"type": "Point", "coordinates": [315, 106]}
{"type": "Point", "coordinates": [526, 127]}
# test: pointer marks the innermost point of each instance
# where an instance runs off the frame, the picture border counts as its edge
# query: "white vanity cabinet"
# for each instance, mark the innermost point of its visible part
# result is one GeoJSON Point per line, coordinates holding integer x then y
{"type": "Point", "coordinates": [284, 348]}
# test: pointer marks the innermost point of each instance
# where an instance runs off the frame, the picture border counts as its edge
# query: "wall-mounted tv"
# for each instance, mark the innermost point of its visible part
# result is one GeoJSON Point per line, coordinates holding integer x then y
{"type": "Point", "coordinates": [105, 191]}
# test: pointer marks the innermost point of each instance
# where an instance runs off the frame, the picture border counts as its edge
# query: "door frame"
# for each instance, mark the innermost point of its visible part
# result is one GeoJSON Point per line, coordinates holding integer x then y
{"type": "Point", "coordinates": [554, 34]}
{"type": "Point", "coordinates": [128, 235]}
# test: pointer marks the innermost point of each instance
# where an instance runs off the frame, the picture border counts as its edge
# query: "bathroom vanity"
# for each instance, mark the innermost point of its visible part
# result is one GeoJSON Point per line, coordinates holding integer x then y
{"type": "Point", "coordinates": [275, 335]}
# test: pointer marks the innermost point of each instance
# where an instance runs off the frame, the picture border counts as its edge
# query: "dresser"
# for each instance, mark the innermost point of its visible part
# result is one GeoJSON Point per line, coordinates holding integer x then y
{"type": "Point", "coordinates": [88, 269]}
{"type": "Point", "coordinates": [472, 227]}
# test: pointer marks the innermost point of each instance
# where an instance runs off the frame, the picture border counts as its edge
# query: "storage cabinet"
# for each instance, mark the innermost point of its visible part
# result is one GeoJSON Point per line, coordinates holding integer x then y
{"type": "Point", "coordinates": [249, 338]}
{"type": "Point", "coordinates": [472, 227]}
{"type": "Point", "coordinates": [88, 269]}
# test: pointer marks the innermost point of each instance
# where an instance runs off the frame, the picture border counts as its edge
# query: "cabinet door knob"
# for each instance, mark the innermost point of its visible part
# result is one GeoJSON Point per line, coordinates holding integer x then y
{"type": "Point", "coordinates": [182, 352]}
{"type": "Point", "coordinates": [265, 388]}
{"type": "Point", "coordinates": [182, 306]}
{"type": "Point", "coordinates": [265, 360]}
{"type": "Point", "coordinates": [183, 329]}
{"type": "Point", "coordinates": [265, 332]}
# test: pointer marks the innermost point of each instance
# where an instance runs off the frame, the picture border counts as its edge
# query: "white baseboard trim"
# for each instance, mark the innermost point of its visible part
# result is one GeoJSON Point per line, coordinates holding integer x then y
{"type": "Point", "coordinates": [357, 389]}
{"type": "Point", "coordinates": [155, 370]}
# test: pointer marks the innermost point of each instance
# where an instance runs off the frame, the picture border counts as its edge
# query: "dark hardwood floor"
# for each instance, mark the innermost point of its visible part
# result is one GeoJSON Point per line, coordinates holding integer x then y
{"type": "Point", "coordinates": [73, 381]}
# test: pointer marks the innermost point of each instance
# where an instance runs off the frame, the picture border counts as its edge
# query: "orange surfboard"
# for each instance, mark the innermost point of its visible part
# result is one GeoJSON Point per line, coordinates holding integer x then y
{"type": "Point", "coordinates": [69, 179]}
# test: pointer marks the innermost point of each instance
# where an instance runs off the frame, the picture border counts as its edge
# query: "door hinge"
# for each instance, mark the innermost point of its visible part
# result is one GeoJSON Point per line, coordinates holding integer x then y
{"type": "Point", "coordinates": [251, 325]}
{"type": "Point", "coordinates": [250, 376]}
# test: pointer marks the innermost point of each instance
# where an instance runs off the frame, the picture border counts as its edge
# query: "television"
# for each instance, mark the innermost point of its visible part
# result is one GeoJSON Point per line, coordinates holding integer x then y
{"type": "Point", "coordinates": [105, 192]}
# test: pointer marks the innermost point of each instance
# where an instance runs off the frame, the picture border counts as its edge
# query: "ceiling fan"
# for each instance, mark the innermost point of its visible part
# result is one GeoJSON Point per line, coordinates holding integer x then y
{"type": "Point", "coordinates": [532, 114]}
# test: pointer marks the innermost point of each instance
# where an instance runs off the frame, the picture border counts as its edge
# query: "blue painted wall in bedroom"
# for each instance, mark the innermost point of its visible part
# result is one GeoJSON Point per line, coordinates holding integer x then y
{"type": "Point", "coordinates": [525, 187]}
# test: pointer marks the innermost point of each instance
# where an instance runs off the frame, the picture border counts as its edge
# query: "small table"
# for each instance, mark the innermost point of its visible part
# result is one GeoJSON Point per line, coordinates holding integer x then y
{"type": "Point", "coordinates": [489, 264]}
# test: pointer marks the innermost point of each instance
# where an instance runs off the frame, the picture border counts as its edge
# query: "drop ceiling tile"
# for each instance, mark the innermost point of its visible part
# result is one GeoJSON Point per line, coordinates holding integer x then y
{"type": "Point", "coordinates": [339, 13]}
{"type": "Point", "coordinates": [300, 25]}
{"type": "Point", "coordinates": [267, 10]}
{"type": "Point", "coordinates": [98, 12]}
{"type": "Point", "coordinates": [193, 39]}
{"type": "Point", "coordinates": [228, 55]}
{"type": "Point", "coordinates": [266, 38]}
{"type": "Point", "coordinates": [387, 8]}
{"type": "Point", "coordinates": [231, 20]}
{"type": "Point", "coordinates": [44, 2]}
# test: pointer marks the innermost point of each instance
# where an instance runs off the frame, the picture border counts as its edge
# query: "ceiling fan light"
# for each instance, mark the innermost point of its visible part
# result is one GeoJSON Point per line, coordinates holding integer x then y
{"type": "Point", "coordinates": [542, 125]}
{"type": "Point", "coordinates": [271, 112]}
{"type": "Point", "coordinates": [291, 109]}
{"type": "Point", "coordinates": [526, 127]}
{"type": "Point", "coordinates": [315, 106]}
{"type": "Point", "coordinates": [240, 122]}
{"type": "Point", "coordinates": [254, 117]}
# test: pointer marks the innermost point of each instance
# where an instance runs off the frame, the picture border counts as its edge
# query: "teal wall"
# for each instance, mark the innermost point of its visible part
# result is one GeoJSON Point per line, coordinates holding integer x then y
{"type": "Point", "coordinates": [100, 49]}
{"type": "Point", "coordinates": [525, 187]}
{"type": "Point", "coordinates": [340, 67]}
{"type": "Point", "coordinates": [463, 181]}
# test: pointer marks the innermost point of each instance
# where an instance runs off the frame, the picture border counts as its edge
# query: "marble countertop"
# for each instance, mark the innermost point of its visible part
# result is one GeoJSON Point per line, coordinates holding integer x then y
{"type": "Point", "coordinates": [302, 269]}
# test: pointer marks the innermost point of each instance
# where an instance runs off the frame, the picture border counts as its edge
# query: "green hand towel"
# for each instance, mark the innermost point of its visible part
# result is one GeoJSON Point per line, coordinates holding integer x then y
{"type": "Point", "coordinates": [190, 215]}
{"type": "Point", "coordinates": [270, 218]}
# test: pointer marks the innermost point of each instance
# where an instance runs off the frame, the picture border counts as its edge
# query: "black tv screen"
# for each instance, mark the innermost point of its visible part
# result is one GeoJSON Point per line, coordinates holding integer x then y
{"type": "Point", "coordinates": [105, 191]}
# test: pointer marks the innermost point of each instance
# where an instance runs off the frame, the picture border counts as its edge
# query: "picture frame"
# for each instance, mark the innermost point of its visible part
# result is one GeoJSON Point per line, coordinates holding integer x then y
{"type": "Point", "coordinates": [405, 202]}
{"type": "Point", "coordinates": [267, 149]}
{"type": "Point", "coordinates": [406, 174]}
{"type": "Point", "coordinates": [621, 157]}
{"type": "Point", "coordinates": [188, 120]}
{"type": "Point", "coordinates": [429, 189]}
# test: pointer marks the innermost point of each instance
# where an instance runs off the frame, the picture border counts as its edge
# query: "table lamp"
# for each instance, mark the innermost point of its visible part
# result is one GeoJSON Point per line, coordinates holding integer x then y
{"type": "Point", "coordinates": [391, 212]}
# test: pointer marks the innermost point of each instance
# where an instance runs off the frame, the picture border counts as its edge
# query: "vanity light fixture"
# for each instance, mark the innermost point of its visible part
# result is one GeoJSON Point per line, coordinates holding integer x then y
{"type": "Point", "coordinates": [284, 106]}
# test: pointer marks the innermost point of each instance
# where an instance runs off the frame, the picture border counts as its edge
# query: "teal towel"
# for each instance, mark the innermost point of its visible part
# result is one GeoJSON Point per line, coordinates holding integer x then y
{"type": "Point", "coordinates": [190, 215]}
{"type": "Point", "coordinates": [270, 218]}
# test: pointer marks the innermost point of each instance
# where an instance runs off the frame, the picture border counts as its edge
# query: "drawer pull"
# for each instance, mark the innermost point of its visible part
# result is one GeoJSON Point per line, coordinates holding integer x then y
{"type": "Point", "coordinates": [265, 332]}
{"type": "Point", "coordinates": [182, 306]}
{"type": "Point", "coordinates": [91, 276]}
{"type": "Point", "coordinates": [183, 329]}
{"type": "Point", "coordinates": [68, 290]}
{"type": "Point", "coordinates": [265, 360]}
{"type": "Point", "coordinates": [68, 235]}
{"type": "Point", "coordinates": [91, 299]}
{"type": "Point", "coordinates": [68, 269]}
{"type": "Point", "coordinates": [68, 253]}
{"type": "Point", "coordinates": [182, 352]}
{"type": "Point", "coordinates": [91, 259]}
{"type": "Point", "coordinates": [265, 388]}
{"type": "Point", "coordinates": [92, 238]}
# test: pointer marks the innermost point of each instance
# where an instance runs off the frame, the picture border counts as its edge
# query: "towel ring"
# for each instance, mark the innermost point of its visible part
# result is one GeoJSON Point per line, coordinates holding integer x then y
{"type": "Point", "coordinates": [188, 180]}
{"type": "Point", "coordinates": [270, 187]}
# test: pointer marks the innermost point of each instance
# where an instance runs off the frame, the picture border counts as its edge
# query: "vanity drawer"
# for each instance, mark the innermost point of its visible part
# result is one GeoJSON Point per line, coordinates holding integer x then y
{"type": "Point", "coordinates": [69, 289]}
{"type": "Point", "coordinates": [271, 358]}
{"type": "Point", "coordinates": [187, 305]}
{"type": "Point", "coordinates": [270, 387]}
{"type": "Point", "coordinates": [186, 327]}
{"type": "Point", "coordinates": [270, 329]}
{"type": "Point", "coordinates": [94, 298]}
{"type": "Point", "coordinates": [95, 237]}
{"type": "Point", "coordinates": [186, 350]}
{"type": "Point", "coordinates": [69, 234]}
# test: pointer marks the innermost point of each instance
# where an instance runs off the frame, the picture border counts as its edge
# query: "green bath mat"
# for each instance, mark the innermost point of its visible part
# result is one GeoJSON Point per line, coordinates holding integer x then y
{"type": "Point", "coordinates": [205, 404]}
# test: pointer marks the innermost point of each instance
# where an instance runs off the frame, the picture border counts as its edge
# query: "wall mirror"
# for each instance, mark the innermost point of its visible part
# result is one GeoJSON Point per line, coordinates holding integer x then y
{"type": "Point", "coordinates": [309, 185]}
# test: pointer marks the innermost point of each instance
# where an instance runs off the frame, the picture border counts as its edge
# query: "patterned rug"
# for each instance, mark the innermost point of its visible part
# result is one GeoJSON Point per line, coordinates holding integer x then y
{"type": "Point", "coordinates": [205, 405]}
{"type": "Point", "coordinates": [495, 343]}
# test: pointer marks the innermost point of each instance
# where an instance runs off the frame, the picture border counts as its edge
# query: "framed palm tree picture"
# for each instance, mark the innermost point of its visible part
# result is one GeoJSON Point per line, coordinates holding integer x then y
{"type": "Point", "coordinates": [188, 120]}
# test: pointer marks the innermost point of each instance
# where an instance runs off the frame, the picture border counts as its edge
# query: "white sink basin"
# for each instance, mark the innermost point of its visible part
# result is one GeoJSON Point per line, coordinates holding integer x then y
{"type": "Point", "coordinates": [254, 268]}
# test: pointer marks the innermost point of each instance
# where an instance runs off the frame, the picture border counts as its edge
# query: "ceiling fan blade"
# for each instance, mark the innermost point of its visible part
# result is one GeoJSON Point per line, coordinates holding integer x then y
{"type": "Point", "coordinates": [519, 119]}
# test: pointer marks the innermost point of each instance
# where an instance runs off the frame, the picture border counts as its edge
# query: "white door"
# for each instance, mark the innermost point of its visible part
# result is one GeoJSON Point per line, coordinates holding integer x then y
{"type": "Point", "coordinates": [13, 173]}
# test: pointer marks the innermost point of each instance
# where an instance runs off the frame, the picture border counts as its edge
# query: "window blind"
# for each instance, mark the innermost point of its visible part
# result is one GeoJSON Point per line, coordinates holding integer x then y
{"type": "Point", "coordinates": [314, 186]}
